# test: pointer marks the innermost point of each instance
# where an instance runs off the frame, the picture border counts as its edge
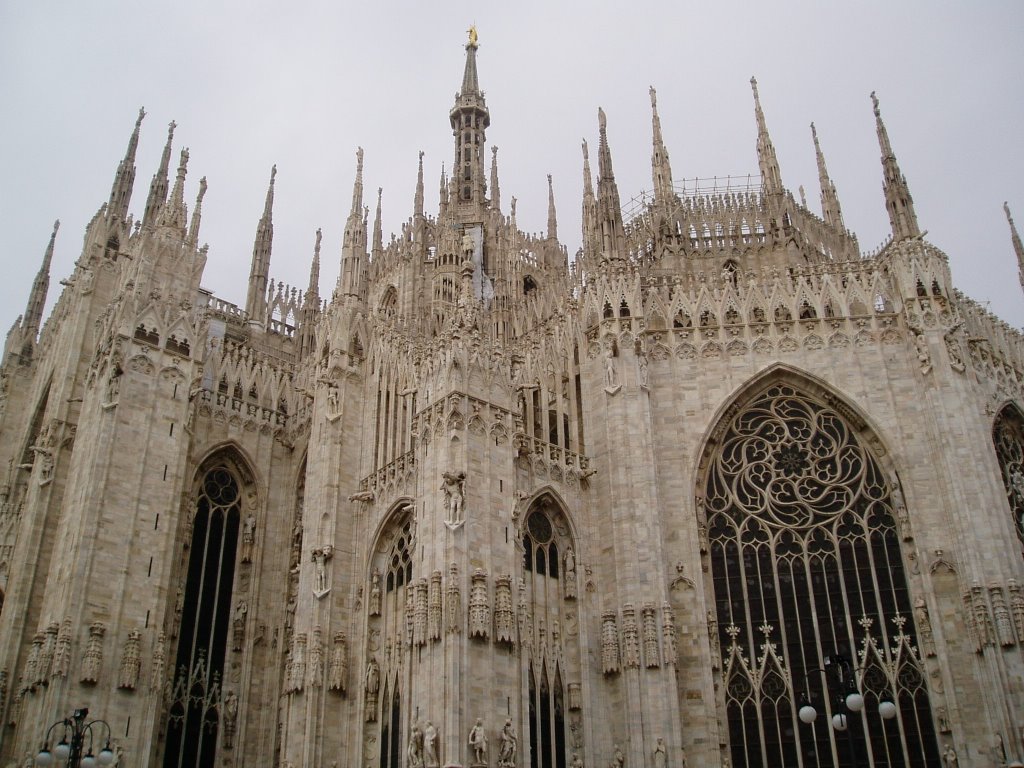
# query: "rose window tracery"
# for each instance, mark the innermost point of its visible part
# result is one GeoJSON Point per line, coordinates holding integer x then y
{"type": "Point", "coordinates": [807, 564]}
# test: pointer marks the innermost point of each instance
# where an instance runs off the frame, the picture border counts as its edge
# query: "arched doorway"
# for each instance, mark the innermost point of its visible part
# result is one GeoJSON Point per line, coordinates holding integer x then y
{"type": "Point", "coordinates": [807, 566]}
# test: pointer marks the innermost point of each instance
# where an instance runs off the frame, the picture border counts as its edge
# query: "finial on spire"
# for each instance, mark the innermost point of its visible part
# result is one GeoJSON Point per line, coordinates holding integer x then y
{"type": "Point", "coordinates": [378, 237]}
{"type": "Point", "coordinates": [495, 189]}
{"type": "Point", "coordinates": [158, 186]}
{"type": "Point", "coordinates": [1018, 246]}
{"type": "Point", "coordinates": [259, 273]}
{"type": "Point", "coordinates": [552, 219]}
{"type": "Point", "coordinates": [474, 38]}
{"type": "Point", "coordinates": [771, 176]}
{"type": "Point", "coordinates": [33, 316]}
{"type": "Point", "coordinates": [357, 187]}
{"type": "Point", "coordinates": [830, 208]}
{"type": "Point", "coordinates": [197, 214]}
{"type": "Point", "coordinates": [661, 169]}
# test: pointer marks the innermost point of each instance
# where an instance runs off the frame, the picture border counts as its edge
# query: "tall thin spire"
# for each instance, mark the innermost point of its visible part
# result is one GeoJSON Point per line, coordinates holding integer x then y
{"type": "Point", "coordinates": [469, 120]}
{"type": "Point", "coordinates": [259, 273]}
{"type": "Point", "coordinates": [418, 200]}
{"type": "Point", "coordinates": [314, 269]}
{"type": "Point", "coordinates": [609, 209]}
{"type": "Point", "coordinates": [552, 218]}
{"type": "Point", "coordinates": [173, 213]}
{"type": "Point", "coordinates": [898, 201]}
{"type": "Point", "coordinates": [495, 191]}
{"type": "Point", "coordinates": [378, 237]}
{"type": "Point", "coordinates": [124, 178]}
{"type": "Point", "coordinates": [1018, 246]}
{"type": "Point", "coordinates": [197, 214]}
{"type": "Point", "coordinates": [830, 209]}
{"type": "Point", "coordinates": [158, 186]}
{"type": "Point", "coordinates": [37, 298]}
{"type": "Point", "coordinates": [589, 206]}
{"type": "Point", "coordinates": [661, 170]}
{"type": "Point", "coordinates": [771, 177]}
{"type": "Point", "coordinates": [310, 310]}
{"type": "Point", "coordinates": [353, 249]}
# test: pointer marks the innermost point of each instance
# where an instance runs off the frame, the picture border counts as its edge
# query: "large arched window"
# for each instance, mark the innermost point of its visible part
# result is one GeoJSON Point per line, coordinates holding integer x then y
{"type": "Point", "coordinates": [1008, 436]}
{"type": "Point", "coordinates": [807, 565]}
{"type": "Point", "coordinates": [548, 566]}
{"type": "Point", "coordinates": [205, 619]}
{"type": "Point", "coordinates": [390, 602]}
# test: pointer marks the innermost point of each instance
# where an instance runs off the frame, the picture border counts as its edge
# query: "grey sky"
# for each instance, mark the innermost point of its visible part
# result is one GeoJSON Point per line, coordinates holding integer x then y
{"type": "Point", "coordinates": [258, 83]}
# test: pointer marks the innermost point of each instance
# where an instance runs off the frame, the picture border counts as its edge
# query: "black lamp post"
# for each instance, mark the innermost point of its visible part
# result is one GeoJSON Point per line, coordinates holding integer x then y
{"type": "Point", "coordinates": [848, 699]}
{"type": "Point", "coordinates": [72, 741]}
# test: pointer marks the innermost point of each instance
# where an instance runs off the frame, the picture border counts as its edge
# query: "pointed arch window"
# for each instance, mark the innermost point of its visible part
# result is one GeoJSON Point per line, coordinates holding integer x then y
{"type": "Point", "coordinates": [206, 606]}
{"type": "Point", "coordinates": [1008, 437]}
{"type": "Point", "coordinates": [806, 563]}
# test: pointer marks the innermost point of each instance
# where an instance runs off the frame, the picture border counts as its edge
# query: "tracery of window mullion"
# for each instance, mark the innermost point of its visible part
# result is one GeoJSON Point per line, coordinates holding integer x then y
{"type": "Point", "coordinates": [824, 608]}
{"type": "Point", "coordinates": [771, 615]}
{"type": "Point", "coordinates": [751, 596]}
{"type": "Point", "coordinates": [788, 608]}
{"type": "Point", "coordinates": [223, 518]}
{"type": "Point", "coordinates": [810, 640]}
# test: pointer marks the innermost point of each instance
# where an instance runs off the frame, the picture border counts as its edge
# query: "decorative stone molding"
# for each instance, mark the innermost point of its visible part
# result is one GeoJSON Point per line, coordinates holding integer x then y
{"type": "Point", "coordinates": [630, 638]}
{"type": "Point", "coordinates": [609, 643]}
{"type": "Point", "coordinates": [92, 660]}
{"type": "Point", "coordinates": [131, 663]}
{"type": "Point", "coordinates": [479, 606]}
{"type": "Point", "coordinates": [434, 607]}
{"type": "Point", "coordinates": [504, 616]}
{"type": "Point", "coordinates": [338, 672]}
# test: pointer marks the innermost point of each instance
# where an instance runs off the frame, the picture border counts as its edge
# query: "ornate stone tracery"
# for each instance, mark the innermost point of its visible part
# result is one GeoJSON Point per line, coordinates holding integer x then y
{"type": "Point", "coordinates": [802, 521]}
{"type": "Point", "coordinates": [1008, 437]}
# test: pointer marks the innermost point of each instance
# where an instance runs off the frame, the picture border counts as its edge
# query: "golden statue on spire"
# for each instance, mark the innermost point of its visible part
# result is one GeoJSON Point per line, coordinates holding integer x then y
{"type": "Point", "coordinates": [473, 38]}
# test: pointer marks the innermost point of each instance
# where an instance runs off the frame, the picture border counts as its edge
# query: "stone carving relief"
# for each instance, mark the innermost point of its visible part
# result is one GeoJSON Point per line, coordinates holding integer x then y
{"type": "Point", "coordinates": [338, 672]}
{"type": "Point", "coordinates": [431, 748]}
{"type": "Point", "coordinates": [316, 658]}
{"type": "Point", "coordinates": [479, 606]}
{"type": "Point", "coordinates": [630, 638]}
{"type": "Point", "coordinates": [716, 648]}
{"type": "Point", "coordinates": [504, 617]}
{"type": "Point", "coordinates": [1017, 607]}
{"type": "Point", "coordinates": [982, 617]}
{"type": "Point", "coordinates": [669, 638]}
{"type": "Point", "coordinates": [575, 697]}
{"type": "Point", "coordinates": [454, 486]}
{"type": "Point", "coordinates": [156, 677]}
{"type": "Point", "coordinates": [434, 607]}
{"type": "Point", "coordinates": [900, 508]}
{"type": "Point", "coordinates": [924, 627]}
{"type": "Point", "coordinates": [649, 622]}
{"type": "Point", "coordinates": [420, 613]}
{"type": "Point", "coordinates": [609, 643]}
{"type": "Point", "coordinates": [131, 664]}
{"type": "Point", "coordinates": [1001, 615]}
{"type": "Point", "coordinates": [62, 651]}
{"type": "Point", "coordinates": [453, 600]}
{"type": "Point", "coordinates": [414, 752]}
{"type": "Point", "coordinates": [92, 661]}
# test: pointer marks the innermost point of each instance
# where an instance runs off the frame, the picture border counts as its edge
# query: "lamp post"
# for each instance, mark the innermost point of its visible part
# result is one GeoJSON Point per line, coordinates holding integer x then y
{"type": "Point", "coordinates": [848, 698]}
{"type": "Point", "coordinates": [72, 741]}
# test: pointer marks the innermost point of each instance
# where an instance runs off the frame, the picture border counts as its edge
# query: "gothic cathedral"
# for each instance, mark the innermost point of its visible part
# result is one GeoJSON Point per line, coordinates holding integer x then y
{"type": "Point", "coordinates": [719, 489]}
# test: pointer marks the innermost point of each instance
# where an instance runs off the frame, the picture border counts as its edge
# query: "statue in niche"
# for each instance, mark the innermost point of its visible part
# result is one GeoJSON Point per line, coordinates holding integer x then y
{"type": "Point", "coordinates": [375, 594]}
{"type": "Point", "coordinates": [924, 626]}
{"type": "Point", "coordinates": [611, 376]}
{"type": "Point", "coordinates": [478, 743]}
{"type": "Point", "coordinates": [415, 750]}
{"type": "Point", "coordinates": [454, 486]}
{"type": "Point", "coordinates": [508, 746]}
{"type": "Point", "coordinates": [660, 754]}
{"type": "Point", "coordinates": [430, 758]}
{"type": "Point", "coordinates": [949, 757]}
{"type": "Point", "coordinates": [248, 537]}
{"type": "Point", "coordinates": [569, 569]}
{"type": "Point", "coordinates": [618, 760]}
{"type": "Point", "coordinates": [372, 686]}
{"type": "Point", "coordinates": [641, 369]}
{"type": "Point", "coordinates": [577, 761]}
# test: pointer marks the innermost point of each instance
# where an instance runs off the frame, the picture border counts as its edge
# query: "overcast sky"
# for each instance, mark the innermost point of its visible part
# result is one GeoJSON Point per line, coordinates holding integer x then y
{"type": "Point", "coordinates": [303, 84]}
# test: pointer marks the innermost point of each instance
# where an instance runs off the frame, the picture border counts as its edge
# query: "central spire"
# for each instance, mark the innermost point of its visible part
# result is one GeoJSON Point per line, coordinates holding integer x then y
{"type": "Point", "coordinates": [469, 119]}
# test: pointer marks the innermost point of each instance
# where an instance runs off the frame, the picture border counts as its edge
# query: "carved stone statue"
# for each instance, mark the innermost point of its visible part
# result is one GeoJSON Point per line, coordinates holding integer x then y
{"type": "Point", "coordinates": [453, 487]}
{"type": "Point", "coordinates": [372, 686]}
{"type": "Point", "coordinates": [576, 761]}
{"type": "Point", "coordinates": [230, 717]}
{"type": "Point", "coordinates": [569, 569]}
{"type": "Point", "coordinates": [248, 537]}
{"type": "Point", "coordinates": [130, 662]}
{"type": "Point", "coordinates": [415, 750]}
{"type": "Point", "coordinates": [375, 593]}
{"type": "Point", "coordinates": [478, 743]}
{"type": "Point", "coordinates": [611, 377]}
{"type": "Point", "coordinates": [618, 760]}
{"type": "Point", "coordinates": [321, 583]}
{"type": "Point", "coordinates": [508, 745]}
{"type": "Point", "coordinates": [430, 754]}
{"type": "Point", "coordinates": [949, 757]}
{"type": "Point", "coordinates": [660, 754]}
{"type": "Point", "coordinates": [238, 625]}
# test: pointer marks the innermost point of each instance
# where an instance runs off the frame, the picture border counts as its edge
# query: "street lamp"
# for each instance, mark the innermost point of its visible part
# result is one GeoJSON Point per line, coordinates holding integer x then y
{"type": "Point", "coordinates": [848, 698]}
{"type": "Point", "coordinates": [72, 740]}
